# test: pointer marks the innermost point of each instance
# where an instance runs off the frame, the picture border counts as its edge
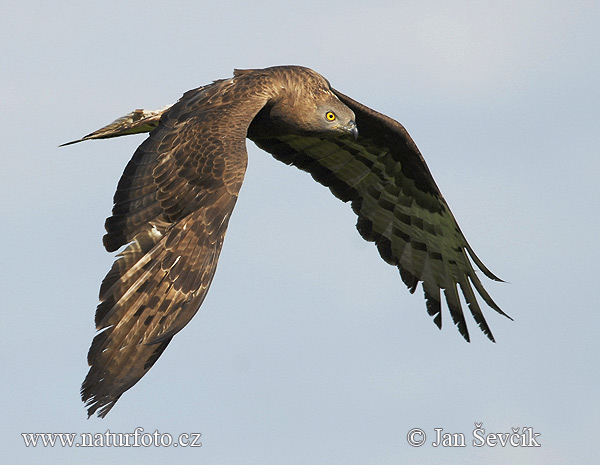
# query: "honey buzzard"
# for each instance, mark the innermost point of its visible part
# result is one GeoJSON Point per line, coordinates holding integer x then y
{"type": "Point", "coordinates": [176, 195]}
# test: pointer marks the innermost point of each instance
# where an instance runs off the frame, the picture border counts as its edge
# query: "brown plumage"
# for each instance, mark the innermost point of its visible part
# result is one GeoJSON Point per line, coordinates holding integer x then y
{"type": "Point", "coordinates": [175, 198]}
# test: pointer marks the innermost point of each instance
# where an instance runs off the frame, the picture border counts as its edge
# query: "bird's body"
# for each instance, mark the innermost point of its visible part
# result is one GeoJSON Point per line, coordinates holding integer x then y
{"type": "Point", "coordinates": [175, 198]}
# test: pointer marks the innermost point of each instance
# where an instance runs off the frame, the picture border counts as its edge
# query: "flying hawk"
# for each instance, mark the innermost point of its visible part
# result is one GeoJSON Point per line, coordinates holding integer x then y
{"type": "Point", "coordinates": [176, 195]}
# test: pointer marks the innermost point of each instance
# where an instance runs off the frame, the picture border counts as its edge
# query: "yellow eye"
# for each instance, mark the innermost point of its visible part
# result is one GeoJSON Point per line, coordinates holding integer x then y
{"type": "Point", "coordinates": [330, 115]}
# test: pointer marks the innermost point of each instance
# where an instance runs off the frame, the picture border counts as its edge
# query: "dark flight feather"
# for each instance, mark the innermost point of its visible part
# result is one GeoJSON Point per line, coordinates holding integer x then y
{"type": "Point", "coordinates": [176, 195]}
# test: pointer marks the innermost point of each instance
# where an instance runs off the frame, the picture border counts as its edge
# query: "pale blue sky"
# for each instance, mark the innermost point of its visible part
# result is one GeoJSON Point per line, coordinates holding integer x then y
{"type": "Point", "coordinates": [308, 348]}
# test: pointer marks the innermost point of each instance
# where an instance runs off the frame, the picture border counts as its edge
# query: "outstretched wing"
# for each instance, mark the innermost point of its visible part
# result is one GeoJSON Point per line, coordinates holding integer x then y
{"type": "Point", "coordinates": [398, 204]}
{"type": "Point", "coordinates": [171, 210]}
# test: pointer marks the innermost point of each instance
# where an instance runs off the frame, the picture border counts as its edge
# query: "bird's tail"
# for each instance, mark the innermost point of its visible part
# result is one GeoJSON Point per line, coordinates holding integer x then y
{"type": "Point", "coordinates": [136, 122]}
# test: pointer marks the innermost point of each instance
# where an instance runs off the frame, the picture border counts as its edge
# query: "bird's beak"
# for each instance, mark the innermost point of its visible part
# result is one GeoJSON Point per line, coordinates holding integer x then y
{"type": "Point", "coordinates": [352, 129]}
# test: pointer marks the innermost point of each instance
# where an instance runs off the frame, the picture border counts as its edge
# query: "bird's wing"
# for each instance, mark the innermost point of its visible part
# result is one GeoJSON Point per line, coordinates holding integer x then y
{"type": "Point", "coordinates": [171, 210]}
{"type": "Point", "coordinates": [399, 207]}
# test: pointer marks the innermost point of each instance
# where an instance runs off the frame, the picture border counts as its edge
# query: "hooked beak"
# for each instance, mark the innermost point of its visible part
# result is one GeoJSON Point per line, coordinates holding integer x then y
{"type": "Point", "coordinates": [352, 129]}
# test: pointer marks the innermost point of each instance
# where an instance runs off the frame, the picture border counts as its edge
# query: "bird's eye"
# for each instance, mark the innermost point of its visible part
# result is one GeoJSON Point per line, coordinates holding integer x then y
{"type": "Point", "coordinates": [330, 115]}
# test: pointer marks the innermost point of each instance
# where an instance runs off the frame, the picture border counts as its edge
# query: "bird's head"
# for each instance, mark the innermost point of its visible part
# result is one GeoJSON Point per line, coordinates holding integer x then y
{"type": "Point", "coordinates": [310, 107]}
{"type": "Point", "coordinates": [332, 116]}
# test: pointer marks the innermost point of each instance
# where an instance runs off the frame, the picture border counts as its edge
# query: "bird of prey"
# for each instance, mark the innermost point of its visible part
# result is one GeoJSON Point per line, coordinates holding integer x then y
{"type": "Point", "coordinates": [176, 195]}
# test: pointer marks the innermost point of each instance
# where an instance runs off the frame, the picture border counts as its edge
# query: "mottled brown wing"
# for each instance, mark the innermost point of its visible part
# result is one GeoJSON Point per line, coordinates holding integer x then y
{"type": "Point", "coordinates": [399, 207]}
{"type": "Point", "coordinates": [171, 209]}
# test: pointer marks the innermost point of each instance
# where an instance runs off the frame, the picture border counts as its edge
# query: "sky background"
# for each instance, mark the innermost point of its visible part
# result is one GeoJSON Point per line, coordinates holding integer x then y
{"type": "Point", "coordinates": [308, 348]}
